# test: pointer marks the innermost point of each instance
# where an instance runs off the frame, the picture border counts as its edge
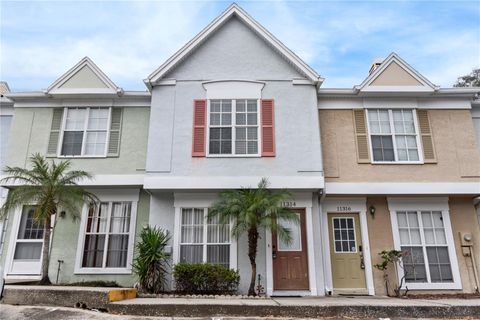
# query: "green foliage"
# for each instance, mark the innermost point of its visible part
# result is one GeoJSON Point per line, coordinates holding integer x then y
{"type": "Point", "coordinates": [151, 263]}
{"type": "Point", "coordinates": [50, 186]}
{"type": "Point", "coordinates": [388, 257]}
{"type": "Point", "coordinates": [469, 80]}
{"type": "Point", "coordinates": [204, 278]}
{"type": "Point", "coordinates": [251, 210]}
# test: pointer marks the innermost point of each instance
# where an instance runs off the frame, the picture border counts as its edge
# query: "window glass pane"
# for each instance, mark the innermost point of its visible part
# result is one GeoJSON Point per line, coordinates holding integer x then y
{"type": "Point", "coordinates": [382, 148]}
{"type": "Point", "coordinates": [28, 251]}
{"type": "Point", "coordinates": [215, 105]}
{"type": "Point", "coordinates": [120, 217]}
{"type": "Point", "coordinates": [241, 133]}
{"type": "Point", "coordinates": [252, 105]}
{"type": "Point", "coordinates": [93, 251]}
{"type": "Point", "coordinates": [344, 235]}
{"type": "Point", "coordinates": [215, 119]}
{"type": "Point", "coordinates": [226, 119]}
{"type": "Point", "coordinates": [252, 133]}
{"type": "Point", "coordinates": [98, 119]}
{"type": "Point", "coordinates": [216, 232]}
{"type": "Point", "coordinates": [252, 147]}
{"type": "Point", "coordinates": [241, 119]}
{"type": "Point", "coordinates": [97, 219]}
{"type": "Point", "coordinates": [29, 228]}
{"type": "Point", "coordinates": [117, 251]}
{"type": "Point", "coordinates": [95, 143]}
{"type": "Point", "coordinates": [226, 106]}
{"type": "Point", "coordinates": [72, 143]}
{"type": "Point", "coordinates": [414, 264]}
{"type": "Point", "coordinates": [241, 105]}
{"type": "Point", "coordinates": [295, 232]}
{"type": "Point", "coordinates": [219, 254]}
{"type": "Point", "coordinates": [192, 226]}
{"type": "Point", "coordinates": [439, 264]}
{"type": "Point", "coordinates": [191, 253]}
{"type": "Point", "coordinates": [75, 119]}
{"type": "Point", "coordinates": [220, 141]}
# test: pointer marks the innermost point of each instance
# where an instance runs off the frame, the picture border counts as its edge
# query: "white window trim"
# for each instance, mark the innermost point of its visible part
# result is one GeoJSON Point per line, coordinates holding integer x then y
{"type": "Point", "coordinates": [426, 204]}
{"type": "Point", "coordinates": [85, 130]}
{"type": "Point", "coordinates": [233, 126]}
{"type": "Point", "coordinates": [188, 201]}
{"type": "Point", "coordinates": [393, 134]}
{"type": "Point", "coordinates": [111, 195]}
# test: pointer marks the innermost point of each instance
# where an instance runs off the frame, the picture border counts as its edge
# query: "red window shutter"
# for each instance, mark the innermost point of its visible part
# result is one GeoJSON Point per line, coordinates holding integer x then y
{"type": "Point", "coordinates": [199, 128]}
{"type": "Point", "coordinates": [268, 128]}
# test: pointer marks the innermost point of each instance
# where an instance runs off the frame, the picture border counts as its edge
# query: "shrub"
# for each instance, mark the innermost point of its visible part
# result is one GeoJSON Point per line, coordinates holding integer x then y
{"type": "Point", "coordinates": [203, 278]}
{"type": "Point", "coordinates": [152, 261]}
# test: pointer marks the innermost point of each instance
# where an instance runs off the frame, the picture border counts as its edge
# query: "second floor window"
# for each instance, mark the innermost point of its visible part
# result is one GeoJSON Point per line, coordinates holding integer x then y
{"type": "Point", "coordinates": [85, 132]}
{"type": "Point", "coordinates": [233, 127]}
{"type": "Point", "coordinates": [393, 135]}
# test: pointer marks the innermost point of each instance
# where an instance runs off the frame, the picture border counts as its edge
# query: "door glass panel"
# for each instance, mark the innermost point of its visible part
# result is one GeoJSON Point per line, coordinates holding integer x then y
{"type": "Point", "coordinates": [31, 231]}
{"type": "Point", "coordinates": [344, 235]}
{"type": "Point", "coordinates": [295, 232]}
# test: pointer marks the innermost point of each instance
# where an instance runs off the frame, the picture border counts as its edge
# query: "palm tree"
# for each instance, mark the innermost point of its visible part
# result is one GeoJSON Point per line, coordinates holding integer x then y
{"type": "Point", "coordinates": [50, 186]}
{"type": "Point", "coordinates": [250, 210]}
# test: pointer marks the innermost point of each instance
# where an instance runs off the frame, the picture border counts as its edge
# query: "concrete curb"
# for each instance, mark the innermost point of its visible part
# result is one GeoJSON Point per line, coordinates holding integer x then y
{"type": "Point", "coordinates": [65, 296]}
{"type": "Point", "coordinates": [366, 311]}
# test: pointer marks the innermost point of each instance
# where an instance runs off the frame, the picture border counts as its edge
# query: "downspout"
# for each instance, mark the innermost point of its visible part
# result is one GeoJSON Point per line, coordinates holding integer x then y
{"type": "Point", "coordinates": [321, 198]}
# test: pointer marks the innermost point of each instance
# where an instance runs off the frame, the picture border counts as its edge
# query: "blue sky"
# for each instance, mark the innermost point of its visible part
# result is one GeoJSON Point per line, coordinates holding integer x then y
{"type": "Point", "coordinates": [128, 40]}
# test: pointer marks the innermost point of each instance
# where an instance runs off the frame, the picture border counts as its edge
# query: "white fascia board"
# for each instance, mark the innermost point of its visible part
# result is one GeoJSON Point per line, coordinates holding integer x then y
{"type": "Point", "coordinates": [101, 180]}
{"type": "Point", "coordinates": [394, 89]}
{"type": "Point", "coordinates": [231, 182]}
{"type": "Point", "coordinates": [6, 109]}
{"type": "Point", "coordinates": [79, 101]}
{"type": "Point", "coordinates": [233, 9]}
{"type": "Point", "coordinates": [402, 188]}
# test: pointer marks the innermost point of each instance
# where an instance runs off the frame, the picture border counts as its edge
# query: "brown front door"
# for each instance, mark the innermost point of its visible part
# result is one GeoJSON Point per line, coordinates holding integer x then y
{"type": "Point", "coordinates": [290, 261]}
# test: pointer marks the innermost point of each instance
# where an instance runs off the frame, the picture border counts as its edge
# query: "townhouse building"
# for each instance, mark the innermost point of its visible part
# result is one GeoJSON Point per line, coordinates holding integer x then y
{"type": "Point", "coordinates": [392, 163]}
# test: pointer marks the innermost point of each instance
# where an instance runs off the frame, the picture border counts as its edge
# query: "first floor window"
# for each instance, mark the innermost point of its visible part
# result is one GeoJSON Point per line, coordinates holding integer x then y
{"type": "Point", "coordinates": [393, 135]}
{"type": "Point", "coordinates": [85, 132]}
{"type": "Point", "coordinates": [233, 127]}
{"type": "Point", "coordinates": [203, 239]}
{"type": "Point", "coordinates": [107, 235]}
{"type": "Point", "coordinates": [424, 242]}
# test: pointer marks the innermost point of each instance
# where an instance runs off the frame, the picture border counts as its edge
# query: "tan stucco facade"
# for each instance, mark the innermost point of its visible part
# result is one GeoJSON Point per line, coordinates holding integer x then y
{"type": "Point", "coordinates": [395, 75]}
{"type": "Point", "coordinates": [463, 220]}
{"type": "Point", "coordinates": [457, 155]}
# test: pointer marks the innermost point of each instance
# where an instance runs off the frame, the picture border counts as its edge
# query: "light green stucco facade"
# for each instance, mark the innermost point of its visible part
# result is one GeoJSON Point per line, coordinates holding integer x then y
{"type": "Point", "coordinates": [30, 133]}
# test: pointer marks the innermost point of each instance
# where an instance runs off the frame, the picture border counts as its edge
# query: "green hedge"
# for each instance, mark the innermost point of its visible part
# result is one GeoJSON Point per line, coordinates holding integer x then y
{"type": "Point", "coordinates": [203, 278]}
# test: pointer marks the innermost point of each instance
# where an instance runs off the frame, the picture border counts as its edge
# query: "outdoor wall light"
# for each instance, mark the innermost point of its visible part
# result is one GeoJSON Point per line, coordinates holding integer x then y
{"type": "Point", "coordinates": [372, 210]}
{"type": "Point", "coordinates": [62, 214]}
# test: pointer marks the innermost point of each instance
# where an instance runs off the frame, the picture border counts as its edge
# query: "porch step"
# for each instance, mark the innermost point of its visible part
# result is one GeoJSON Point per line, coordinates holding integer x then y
{"type": "Point", "coordinates": [362, 307]}
{"type": "Point", "coordinates": [65, 296]}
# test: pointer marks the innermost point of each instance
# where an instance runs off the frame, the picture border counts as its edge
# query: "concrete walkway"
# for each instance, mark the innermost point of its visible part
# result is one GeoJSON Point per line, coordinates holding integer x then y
{"type": "Point", "coordinates": [362, 307]}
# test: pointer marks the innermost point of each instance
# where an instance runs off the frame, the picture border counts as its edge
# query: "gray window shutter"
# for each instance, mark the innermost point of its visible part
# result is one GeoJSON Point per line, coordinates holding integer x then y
{"type": "Point", "coordinates": [361, 136]}
{"type": "Point", "coordinates": [55, 132]}
{"type": "Point", "coordinates": [115, 132]}
{"type": "Point", "coordinates": [426, 137]}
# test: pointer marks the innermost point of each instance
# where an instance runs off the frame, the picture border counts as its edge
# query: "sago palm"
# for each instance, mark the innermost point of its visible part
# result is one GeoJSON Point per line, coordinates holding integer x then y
{"type": "Point", "coordinates": [251, 210]}
{"type": "Point", "coordinates": [50, 186]}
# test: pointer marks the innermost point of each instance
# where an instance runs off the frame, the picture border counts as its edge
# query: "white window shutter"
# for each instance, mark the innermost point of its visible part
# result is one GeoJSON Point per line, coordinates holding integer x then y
{"type": "Point", "coordinates": [115, 133]}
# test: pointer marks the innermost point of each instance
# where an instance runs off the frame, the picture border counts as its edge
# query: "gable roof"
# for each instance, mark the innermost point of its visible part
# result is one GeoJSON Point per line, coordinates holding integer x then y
{"type": "Point", "coordinates": [84, 78]}
{"type": "Point", "coordinates": [232, 10]}
{"type": "Point", "coordinates": [410, 81]}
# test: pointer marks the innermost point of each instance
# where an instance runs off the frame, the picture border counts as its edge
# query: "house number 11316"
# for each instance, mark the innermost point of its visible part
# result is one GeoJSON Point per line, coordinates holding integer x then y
{"type": "Point", "coordinates": [344, 208]}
